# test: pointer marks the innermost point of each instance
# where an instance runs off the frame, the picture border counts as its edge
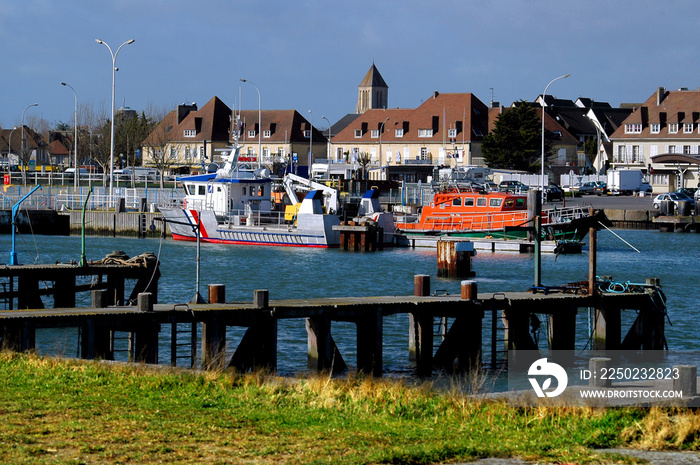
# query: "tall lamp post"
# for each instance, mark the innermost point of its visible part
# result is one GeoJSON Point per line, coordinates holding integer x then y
{"type": "Point", "coordinates": [111, 136]}
{"type": "Point", "coordinates": [24, 138]}
{"type": "Point", "coordinates": [329, 137]}
{"type": "Point", "coordinates": [76, 173]}
{"type": "Point", "coordinates": [544, 104]}
{"type": "Point", "coordinates": [259, 121]}
{"type": "Point", "coordinates": [9, 150]}
{"type": "Point", "coordinates": [311, 142]}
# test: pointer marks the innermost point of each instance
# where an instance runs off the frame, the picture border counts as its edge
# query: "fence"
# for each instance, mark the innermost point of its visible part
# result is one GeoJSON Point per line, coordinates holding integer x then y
{"type": "Point", "coordinates": [69, 198]}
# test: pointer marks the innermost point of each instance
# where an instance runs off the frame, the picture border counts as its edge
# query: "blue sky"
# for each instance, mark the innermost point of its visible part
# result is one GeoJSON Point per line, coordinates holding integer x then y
{"type": "Point", "coordinates": [312, 54]}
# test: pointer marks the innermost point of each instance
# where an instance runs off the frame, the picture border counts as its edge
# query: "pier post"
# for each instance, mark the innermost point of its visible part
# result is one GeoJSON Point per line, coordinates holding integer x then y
{"type": "Point", "coordinates": [592, 257]}
{"type": "Point", "coordinates": [213, 342]}
{"type": "Point", "coordinates": [258, 347]}
{"type": "Point", "coordinates": [687, 380]}
{"type": "Point", "coordinates": [217, 293]}
{"type": "Point", "coordinates": [461, 349]}
{"type": "Point", "coordinates": [99, 298]}
{"type": "Point", "coordinates": [369, 342]}
{"type": "Point", "coordinates": [420, 330]}
{"type": "Point", "coordinates": [319, 352]}
{"type": "Point", "coordinates": [144, 302]}
{"type": "Point", "coordinates": [607, 328]}
{"type": "Point", "coordinates": [146, 342]}
{"type": "Point", "coordinates": [454, 258]}
{"type": "Point", "coordinates": [64, 291]}
{"type": "Point", "coordinates": [562, 329]}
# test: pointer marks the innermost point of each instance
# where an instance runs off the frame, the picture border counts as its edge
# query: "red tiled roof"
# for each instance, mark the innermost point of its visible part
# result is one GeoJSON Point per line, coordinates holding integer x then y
{"type": "Point", "coordinates": [441, 112]}
{"type": "Point", "coordinates": [664, 107]}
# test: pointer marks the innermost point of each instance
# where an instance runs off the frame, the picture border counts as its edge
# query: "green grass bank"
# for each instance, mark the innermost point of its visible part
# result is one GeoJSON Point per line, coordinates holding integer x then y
{"type": "Point", "coordinates": [74, 412]}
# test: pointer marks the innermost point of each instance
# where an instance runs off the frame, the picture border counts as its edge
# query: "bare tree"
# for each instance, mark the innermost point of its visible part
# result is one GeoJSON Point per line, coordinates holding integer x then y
{"type": "Point", "coordinates": [160, 152]}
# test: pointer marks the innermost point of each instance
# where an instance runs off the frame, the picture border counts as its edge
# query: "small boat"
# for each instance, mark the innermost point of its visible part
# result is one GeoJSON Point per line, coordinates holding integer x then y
{"type": "Point", "coordinates": [498, 215]}
{"type": "Point", "coordinates": [233, 206]}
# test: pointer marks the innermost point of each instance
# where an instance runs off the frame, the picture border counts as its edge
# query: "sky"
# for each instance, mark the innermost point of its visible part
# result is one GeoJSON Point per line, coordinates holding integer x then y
{"type": "Point", "coordinates": [310, 55]}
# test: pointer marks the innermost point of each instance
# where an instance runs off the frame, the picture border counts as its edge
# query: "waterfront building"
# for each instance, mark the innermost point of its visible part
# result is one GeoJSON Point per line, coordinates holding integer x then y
{"type": "Point", "coordinates": [404, 144]}
{"type": "Point", "coordinates": [661, 137]}
{"type": "Point", "coordinates": [190, 140]}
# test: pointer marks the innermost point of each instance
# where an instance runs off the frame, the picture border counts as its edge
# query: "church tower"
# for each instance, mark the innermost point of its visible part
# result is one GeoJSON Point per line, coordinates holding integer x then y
{"type": "Point", "coordinates": [372, 92]}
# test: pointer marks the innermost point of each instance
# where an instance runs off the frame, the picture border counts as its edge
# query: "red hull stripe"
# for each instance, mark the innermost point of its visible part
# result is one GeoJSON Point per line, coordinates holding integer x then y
{"type": "Point", "coordinates": [179, 237]}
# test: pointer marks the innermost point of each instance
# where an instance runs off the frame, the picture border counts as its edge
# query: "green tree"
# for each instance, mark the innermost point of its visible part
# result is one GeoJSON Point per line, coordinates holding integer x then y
{"type": "Point", "coordinates": [515, 142]}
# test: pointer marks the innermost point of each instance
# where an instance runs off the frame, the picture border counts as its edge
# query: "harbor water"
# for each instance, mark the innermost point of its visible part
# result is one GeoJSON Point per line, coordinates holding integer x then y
{"type": "Point", "coordinates": [308, 273]}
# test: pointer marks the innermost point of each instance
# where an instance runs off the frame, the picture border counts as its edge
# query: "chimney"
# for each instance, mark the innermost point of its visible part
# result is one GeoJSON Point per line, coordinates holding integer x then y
{"type": "Point", "coordinates": [435, 94]}
{"type": "Point", "coordinates": [660, 94]}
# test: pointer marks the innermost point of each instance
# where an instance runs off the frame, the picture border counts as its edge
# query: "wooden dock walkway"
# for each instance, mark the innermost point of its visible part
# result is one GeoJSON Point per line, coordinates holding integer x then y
{"type": "Point", "coordinates": [459, 350]}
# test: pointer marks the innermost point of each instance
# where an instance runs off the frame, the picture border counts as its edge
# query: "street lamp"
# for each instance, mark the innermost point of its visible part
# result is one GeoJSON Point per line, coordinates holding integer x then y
{"type": "Point", "coordinates": [543, 105]}
{"type": "Point", "coordinates": [381, 130]}
{"type": "Point", "coordinates": [311, 142]}
{"type": "Point", "coordinates": [111, 136]}
{"type": "Point", "coordinates": [259, 121]}
{"type": "Point", "coordinates": [75, 138]}
{"type": "Point", "coordinates": [9, 150]}
{"type": "Point", "coordinates": [329, 137]}
{"type": "Point", "coordinates": [24, 134]}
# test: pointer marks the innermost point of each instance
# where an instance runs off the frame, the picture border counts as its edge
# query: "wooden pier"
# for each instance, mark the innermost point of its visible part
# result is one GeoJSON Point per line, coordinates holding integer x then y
{"type": "Point", "coordinates": [459, 347]}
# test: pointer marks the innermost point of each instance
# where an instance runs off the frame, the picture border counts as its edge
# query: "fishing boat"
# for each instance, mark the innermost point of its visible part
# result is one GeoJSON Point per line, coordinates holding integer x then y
{"type": "Point", "coordinates": [233, 206]}
{"type": "Point", "coordinates": [499, 215]}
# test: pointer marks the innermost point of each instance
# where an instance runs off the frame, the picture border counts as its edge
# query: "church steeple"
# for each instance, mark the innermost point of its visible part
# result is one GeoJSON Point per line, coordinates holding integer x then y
{"type": "Point", "coordinates": [372, 91]}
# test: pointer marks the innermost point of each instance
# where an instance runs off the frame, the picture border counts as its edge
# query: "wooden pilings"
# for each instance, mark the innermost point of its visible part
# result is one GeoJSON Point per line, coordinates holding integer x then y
{"type": "Point", "coordinates": [454, 257]}
{"type": "Point", "coordinates": [360, 237]}
{"type": "Point", "coordinates": [456, 347]}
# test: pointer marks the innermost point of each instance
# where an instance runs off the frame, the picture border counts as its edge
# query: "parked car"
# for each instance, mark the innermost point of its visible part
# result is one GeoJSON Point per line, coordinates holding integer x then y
{"type": "Point", "coordinates": [601, 188]}
{"type": "Point", "coordinates": [675, 197]}
{"type": "Point", "coordinates": [553, 192]}
{"type": "Point", "coordinates": [587, 188]}
{"type": "Point", "coordinates": [513, 186]}
{"type": "Point", "coordinates": [689, 191]}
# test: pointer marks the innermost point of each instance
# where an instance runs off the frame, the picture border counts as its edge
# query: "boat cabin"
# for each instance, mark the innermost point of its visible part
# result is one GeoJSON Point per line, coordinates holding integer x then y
{"type": "Point", "coordinates": [227, 196]}
{"type": "Point", "coordinates": [478, 202]}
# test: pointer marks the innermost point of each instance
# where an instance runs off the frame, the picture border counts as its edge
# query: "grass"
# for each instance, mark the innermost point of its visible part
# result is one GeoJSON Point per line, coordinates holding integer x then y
{"type": "Point", "coordinates": [73, 412]}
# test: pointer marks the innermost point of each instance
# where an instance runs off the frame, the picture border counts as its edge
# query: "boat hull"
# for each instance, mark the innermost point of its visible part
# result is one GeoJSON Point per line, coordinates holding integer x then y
{"type": "Point", "coordinates": [312, 230]}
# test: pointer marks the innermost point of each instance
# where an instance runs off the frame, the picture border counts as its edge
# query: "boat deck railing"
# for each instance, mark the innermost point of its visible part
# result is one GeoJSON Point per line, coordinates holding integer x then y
{"type": "Point", "coordinates": [564, 215]}
{"type": "Point", "coordinates": [255, 218]}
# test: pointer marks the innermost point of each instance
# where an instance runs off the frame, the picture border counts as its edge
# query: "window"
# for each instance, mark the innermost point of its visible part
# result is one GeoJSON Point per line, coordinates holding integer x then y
{"type": "Point", "coordinates": [189, 133]}
{"type": "Point", "coordinates": [267, 133]}
{"type": "Point", "coordinates": [481, 202]}
{"type": "Point", "coordinates": [655, 128]}
{"type": "Point", "coordinates": [425, 133]}
{"type": "Point", "coordinates": [251, 133]}
{"type": "Point", "coordinates": [495, 202]}
{"type": "Point", "coordinates": [375, 133]}
{"type": "Point", "coordinates": [673, 128]}
{"type": "Point", "coordinates": [423, 153]}
{"type": "Point", "coordinates": [399, 132]}
{"type": "Point", "coordinates": [358, 133]}
{"type": "Point", "coordinates": [469, 201]}
{"type": "Point", "coordinates": [687, 128]}
{"type": "Point", "coordinates": [457, 202]}
{"type": "Point", "coordinates": [452, 133]}
{"type": "Point", "coordinates": [686, 149]}
{"type": "Point", "coordinates": [633, 128]}
{"type": "Point", "coordinates": [307, 133]}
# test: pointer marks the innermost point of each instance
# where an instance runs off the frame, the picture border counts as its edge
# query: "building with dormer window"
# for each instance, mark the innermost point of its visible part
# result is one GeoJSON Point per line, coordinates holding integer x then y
{"type": "Point", "coordinates": [662, 138]}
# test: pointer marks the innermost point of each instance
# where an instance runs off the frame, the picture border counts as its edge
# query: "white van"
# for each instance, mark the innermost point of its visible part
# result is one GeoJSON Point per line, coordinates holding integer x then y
{"type": "Point", "coordinates": [141, 174]}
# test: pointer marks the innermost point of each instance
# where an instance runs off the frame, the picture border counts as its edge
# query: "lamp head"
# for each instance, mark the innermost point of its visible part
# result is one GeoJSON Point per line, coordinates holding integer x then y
{"type": "Point", "coordinates": [130, 41]}
{"type": "Point", "coordinates": [243, 80]}
{"type": "Point", "coordinates": [99, 41]}
{"type": "Point", "coordinates": [64, 84]}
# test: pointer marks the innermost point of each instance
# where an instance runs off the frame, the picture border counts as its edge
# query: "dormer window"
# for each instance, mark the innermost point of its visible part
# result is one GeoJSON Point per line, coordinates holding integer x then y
{"type": "Point", "coordinates": [633, 128]}
{"type": "Point", "coordinates": [687, 128]}
{"type": "Point", "coordinates": [307, 133]}
{"type": "Point", "coordinates": [673, 128]}
{"type": "Point", "coordinates": [452, 133]}
{"type": "Point", "coordinates": [425, 133]}
{"type": "Point", "coordinates": [655, 128]}
{"type": "Point", "coordinates": [251, 133]}
{"type": "Point", "coordinates": [399, 132]}
{"type": "Point", "coordinates": [267, 133]}
{"type": "Point", "coordinates": [375, 133]}
{"type": "Point", "coordinates": [189, 133]}
{"type": "Point", "coordinates": [358, 133]}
